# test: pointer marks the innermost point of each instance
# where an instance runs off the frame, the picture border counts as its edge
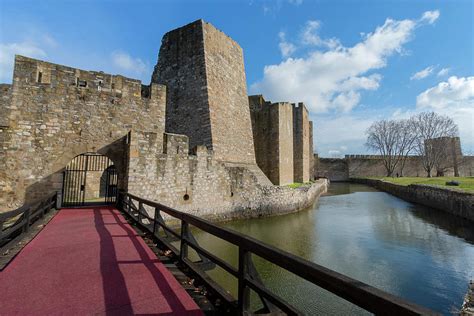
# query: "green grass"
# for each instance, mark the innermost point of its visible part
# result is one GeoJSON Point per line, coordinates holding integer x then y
{"type": "Point", "coordinates": [465, 183]}
{"type": "Point", "coordinates": [298, 184]}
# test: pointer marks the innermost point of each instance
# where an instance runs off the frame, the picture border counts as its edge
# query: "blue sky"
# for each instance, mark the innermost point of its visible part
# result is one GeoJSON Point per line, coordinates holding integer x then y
{"type": "Point", "coordinates": [351, 62]}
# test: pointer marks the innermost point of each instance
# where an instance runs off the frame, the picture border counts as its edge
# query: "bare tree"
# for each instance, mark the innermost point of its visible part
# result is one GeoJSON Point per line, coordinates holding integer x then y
{"type": "Point", "coordinates": [432, 134]}
{"type": "Point", "coordinates": [393, 140]}
{"type": "Point", "coordinates": [406, 142]}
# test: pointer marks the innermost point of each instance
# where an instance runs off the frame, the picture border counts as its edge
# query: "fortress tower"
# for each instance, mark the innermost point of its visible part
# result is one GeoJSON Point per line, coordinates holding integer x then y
{"type": "Point", "coordinates": [203, 70]}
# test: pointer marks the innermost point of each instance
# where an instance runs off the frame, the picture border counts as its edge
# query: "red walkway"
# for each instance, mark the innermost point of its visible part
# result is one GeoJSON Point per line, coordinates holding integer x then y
{"type": "Point", "coordinates": [90, 261]}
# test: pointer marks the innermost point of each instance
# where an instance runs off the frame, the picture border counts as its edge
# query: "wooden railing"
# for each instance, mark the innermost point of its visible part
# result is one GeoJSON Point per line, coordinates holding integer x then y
{"type": "Point", "coordinates": [17, 222]}
{"type": "Point", "coordinates": [361, 294]}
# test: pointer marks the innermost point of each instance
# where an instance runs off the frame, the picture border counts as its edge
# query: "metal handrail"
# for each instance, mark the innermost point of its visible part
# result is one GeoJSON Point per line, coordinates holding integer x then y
{"type": "Point", "coordinates": [356, 292]}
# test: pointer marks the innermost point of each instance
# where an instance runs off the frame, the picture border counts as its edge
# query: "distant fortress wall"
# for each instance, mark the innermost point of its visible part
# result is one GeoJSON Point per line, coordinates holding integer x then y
{"type": "Point", "coordinates": [354, 166]}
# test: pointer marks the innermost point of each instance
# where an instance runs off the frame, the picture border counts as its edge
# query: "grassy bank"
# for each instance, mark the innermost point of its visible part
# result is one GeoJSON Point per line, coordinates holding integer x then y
{"type": "Point", "coordinates": [466, 183]}
{"type": "Point", "coordinates": [298, 184]}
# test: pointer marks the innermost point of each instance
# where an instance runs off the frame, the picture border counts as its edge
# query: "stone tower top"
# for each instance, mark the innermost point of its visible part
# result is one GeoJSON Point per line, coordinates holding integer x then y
{"type": "Point", "coordinates": [203, 70]}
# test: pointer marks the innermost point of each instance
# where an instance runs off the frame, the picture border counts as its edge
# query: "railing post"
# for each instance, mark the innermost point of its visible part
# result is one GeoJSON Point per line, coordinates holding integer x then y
{"type": "Point", "coordinates": [183, 250]}
{"type": "Point", "coordinates": [130, 205]}
{"type": "Point", "coordinates": [26, 225]}
{"type": "Point", "coordinates": [244, 291]}
{"type": "Point", "coordinates": [58, 200]}
{"type": "Point", "coordinates": [156, 227]}
{"type": "Point", "coordinates": [140, 207]}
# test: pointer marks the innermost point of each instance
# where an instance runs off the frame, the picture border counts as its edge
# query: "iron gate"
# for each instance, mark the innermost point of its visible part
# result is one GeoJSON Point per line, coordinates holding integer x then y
{"type": "Point", "coordinates": [89, 179]}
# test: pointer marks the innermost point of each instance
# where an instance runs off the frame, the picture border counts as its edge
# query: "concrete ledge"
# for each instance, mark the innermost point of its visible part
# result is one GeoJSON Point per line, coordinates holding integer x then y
{"type": "Point", "coordinates": [450, 200]}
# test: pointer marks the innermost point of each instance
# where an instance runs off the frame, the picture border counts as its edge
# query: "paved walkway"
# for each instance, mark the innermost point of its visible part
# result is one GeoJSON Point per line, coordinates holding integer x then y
{"type": "Point", "coordinates": [90, 261]}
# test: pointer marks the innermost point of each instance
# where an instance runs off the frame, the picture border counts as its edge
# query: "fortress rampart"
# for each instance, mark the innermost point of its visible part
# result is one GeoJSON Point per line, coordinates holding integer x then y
{"type": "Point", "coordinates": [283, 139]}
{"type": "Point", "coordinates": [355, 166]}
{"type": "Point", "coordinates": [185, 140]}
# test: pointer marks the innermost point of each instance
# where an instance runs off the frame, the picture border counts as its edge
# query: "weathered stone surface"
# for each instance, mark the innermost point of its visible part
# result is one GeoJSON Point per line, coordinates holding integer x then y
{"type": "Point", "coordinates": [203, 70]}
{"type": "Point", "coordinates": [353, 166]}
{"type": "Point", "coordinates": [272, 125]}
{"type": "Point", "coordinates": [301, 143]}
{"type": "Point", "coordinates": [52, 121]}
{"type": "Point", "coordinates": [283, 143]}
{"type": "Point", "coordinates": [52, 113]}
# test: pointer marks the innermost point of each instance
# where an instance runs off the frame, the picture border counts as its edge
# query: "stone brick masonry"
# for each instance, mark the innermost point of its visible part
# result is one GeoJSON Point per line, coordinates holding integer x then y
{"type": "Point", "coordinates": [283, 139]}
{"type": "Point", "coordinates": [204, 162]}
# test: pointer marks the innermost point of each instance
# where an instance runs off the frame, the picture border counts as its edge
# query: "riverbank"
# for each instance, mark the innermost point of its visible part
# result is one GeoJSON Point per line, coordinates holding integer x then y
{"type": "Point", "coordinates": [464, 183]}
{"type": "Point", "coordinates": [451, 200]}
{"type": "Point", "coordinates": [468, 305]}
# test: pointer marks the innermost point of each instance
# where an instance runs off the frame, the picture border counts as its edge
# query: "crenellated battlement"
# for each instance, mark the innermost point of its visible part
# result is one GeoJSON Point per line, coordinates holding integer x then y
{"type": "Point", "coordinates": [49, 77]}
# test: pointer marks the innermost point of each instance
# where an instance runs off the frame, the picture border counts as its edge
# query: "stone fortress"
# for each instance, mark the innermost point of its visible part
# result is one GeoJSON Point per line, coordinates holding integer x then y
{"type": "Point", "coordinates": [452, 162]}
{"type": "Point", "coordinates": [192, 139]}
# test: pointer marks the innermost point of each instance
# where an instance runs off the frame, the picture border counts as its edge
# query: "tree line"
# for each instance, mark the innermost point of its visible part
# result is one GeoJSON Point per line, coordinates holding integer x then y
{"type": "Point", "coordinates": [427, 135]}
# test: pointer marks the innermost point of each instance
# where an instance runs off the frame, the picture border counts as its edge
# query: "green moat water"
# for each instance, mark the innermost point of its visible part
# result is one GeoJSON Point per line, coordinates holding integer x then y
{"type": "Point", "coordinates": [414, 252]}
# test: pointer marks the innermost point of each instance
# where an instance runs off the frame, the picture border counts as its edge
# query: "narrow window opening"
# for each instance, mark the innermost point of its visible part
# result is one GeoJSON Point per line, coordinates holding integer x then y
{"type": "Point", "coordinates": [40, 77]}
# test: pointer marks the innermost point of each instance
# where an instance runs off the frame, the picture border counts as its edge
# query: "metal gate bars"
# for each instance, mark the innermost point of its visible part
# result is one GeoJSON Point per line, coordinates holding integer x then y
{"type": "Point", "coordinates": [89, 179]}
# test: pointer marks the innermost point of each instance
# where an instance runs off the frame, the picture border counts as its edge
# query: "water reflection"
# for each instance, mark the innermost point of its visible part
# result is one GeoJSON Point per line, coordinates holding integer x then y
{"type": "Point", "coordinates": [411, 251]}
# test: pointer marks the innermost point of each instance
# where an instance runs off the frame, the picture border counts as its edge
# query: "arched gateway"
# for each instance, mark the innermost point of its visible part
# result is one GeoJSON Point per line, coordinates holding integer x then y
{"type": "Point", "coordinates": [89, 179]}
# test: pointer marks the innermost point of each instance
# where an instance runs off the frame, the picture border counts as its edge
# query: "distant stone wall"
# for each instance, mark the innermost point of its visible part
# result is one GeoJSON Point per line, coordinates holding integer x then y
{"type": "Point", "coordinates": [353, 166]}
{"type": "Point", "coordinates": [334, 169]}
{"type": "Point", "coordinates": [372, 166]}
{"type": "Point", "coordinates": [453, 201]}
{"type": "Point", "coordinates": [207, 93]}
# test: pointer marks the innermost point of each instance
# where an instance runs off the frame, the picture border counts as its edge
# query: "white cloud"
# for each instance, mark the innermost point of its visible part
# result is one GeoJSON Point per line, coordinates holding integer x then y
{"type": "Point", "coordinates": [443, 72]}
{"type": "Point", "coordinates": [422, 73]}
{"type": "Point", "coordinates": [456, 92]}
{"type": "Point", "coordinates": [430, 16]}
{"type": "Point", "coordinates": [7, 56]}
{"type": "Point", "coordinates": [333, 78]}
{"type": "Point", "coordinates": [286, 49]}
{"type": "Point", "coordinates": [454, 98]}
{"type": "Point", "coordinates": [126, 62]}
{"type": "Point", "coordinates": [310, 36]}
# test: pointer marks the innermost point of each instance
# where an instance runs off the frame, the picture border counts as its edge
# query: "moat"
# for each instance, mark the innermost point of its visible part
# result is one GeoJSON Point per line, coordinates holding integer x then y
{"type": "Point", "coordinates": [414, 252]}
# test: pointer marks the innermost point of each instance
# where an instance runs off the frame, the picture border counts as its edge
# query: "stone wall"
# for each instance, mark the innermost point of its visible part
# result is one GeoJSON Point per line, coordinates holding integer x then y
{"type": "Point", "coordinates": [449, 200]}
{"type": "Point", "coordinates": [204, 186]}
{"type": "Point", "coordinates": [334, 169]}
{"type": "Point", "coordinates": [207, 96]}
{"type": "Point", "coordinates": [354, 166]}
{"type": "Point", "coordinates": [56, 113]}
{"type": "Point", "coordinates": [301, 144]}
{"type": "Point", "coordinates": [273, 138]}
